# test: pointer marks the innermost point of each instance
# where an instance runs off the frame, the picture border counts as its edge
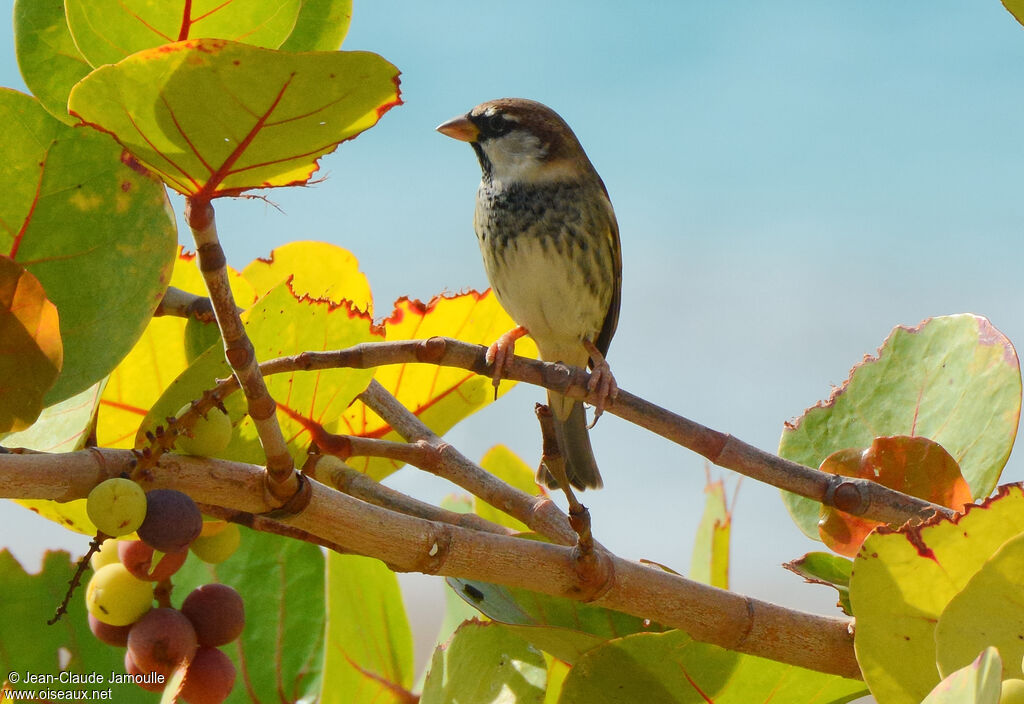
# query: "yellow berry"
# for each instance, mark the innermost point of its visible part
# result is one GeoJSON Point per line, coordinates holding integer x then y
{"type": "Point", "coordinates": [117, 506]}
{"type": "Point", "coordinates": [106, 555]}
{"type": "Point", "coordinates": [117, 598]}
{"type": "Point", "coordinates": [209, 435]}
{"type": "Point", "coordinates": [219, 546]}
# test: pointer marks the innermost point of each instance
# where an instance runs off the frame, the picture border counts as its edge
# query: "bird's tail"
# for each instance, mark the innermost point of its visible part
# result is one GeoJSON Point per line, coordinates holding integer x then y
{"type": "Point", "coordinates": [570, 421]}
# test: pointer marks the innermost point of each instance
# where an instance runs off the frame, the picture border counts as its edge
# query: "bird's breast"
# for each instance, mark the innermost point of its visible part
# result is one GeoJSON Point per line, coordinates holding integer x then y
{"type": "Point", "coordinates": [548, 255]}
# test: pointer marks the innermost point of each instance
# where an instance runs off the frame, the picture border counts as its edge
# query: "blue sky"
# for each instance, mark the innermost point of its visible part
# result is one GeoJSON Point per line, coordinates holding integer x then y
{"type": "Point", "coordinates": [792, 179]}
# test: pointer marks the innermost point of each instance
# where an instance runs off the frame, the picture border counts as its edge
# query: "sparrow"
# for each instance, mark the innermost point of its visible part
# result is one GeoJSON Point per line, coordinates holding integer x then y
{"type": "Point", "coordinates": [550, 246]}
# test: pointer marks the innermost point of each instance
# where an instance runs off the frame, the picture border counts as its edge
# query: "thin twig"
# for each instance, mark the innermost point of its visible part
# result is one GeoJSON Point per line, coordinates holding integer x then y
{"type": "Point", "coordinates": [282, 480]}
{"type": "Point", "coordinates": [183, 304]}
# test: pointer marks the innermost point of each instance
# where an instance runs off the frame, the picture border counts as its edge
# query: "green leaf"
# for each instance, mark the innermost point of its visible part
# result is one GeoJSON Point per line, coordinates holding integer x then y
{"type": "Point", "coordinates": [976, 683]}
{"type": "Point", "coordinates": [506, 465]}
{"type": "Point", "coordinates": [561, 627]}
{"type": "Point", "coordinates": [281, 582]}
{"type": "Point", "coordinates": [62, 427]}
{"type": "Point", "coordinates": [710, 561]}
{"type": "Point", "coordinates": [988, 611]}
{"type": "Point", "coordinates": [28, 132]}
{"type": "Point", "coordinates": [216, 118]}
{"type": "Point", "coordinates": [27, 601]}
{"type": "Point", "coordinates": [672, 668]}
{"type": "Point", "coordinates": [902, 581]}
{"type": "Point", "coordinates": [369, 657]}
{"type": "Point", "coordinates": [485, 664]}
{"type": "Point", "coordinates": [32, 354]}
{"type": "Point", "coordinates": [953, 379]}
{"type": "Point", "coordinates": [49, 61]}
{"type": "Point", "coordinates": [322, 26]}
{"type": "Point", "coordinates": [826, 568]}
{"type": "Point", "coordinates": [106, 31]}
{"type": "Point", "coordinates": [98, 235]}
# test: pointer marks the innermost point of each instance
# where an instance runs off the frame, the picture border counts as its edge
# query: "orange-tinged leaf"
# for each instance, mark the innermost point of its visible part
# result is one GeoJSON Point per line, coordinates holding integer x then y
{"type": "Point", "coordinates": [316, 269]}
{"type": "Point", "coordinates": [914, 465]}
{"type": "Point", "coordinates": [155, 361]}
{"type": "Point", "coordinates": [216, 118]}
{"type": "Point", "coordinates": [31, 352]}
{"type": "Point", "coordinates": [440, 396]}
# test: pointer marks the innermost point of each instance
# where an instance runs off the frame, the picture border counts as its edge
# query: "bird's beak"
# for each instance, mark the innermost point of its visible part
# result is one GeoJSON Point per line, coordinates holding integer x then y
{"type": "Point", "coordinates": [461, 128]}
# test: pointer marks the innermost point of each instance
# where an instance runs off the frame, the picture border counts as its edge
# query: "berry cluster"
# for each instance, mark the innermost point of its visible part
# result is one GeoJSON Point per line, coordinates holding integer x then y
{"type": "Point", "coordinates": [131, 574]}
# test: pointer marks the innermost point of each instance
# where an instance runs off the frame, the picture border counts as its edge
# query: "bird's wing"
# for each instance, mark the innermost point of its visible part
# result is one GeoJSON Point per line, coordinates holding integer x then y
{"type": "Point", "coordinates": [611, 319]}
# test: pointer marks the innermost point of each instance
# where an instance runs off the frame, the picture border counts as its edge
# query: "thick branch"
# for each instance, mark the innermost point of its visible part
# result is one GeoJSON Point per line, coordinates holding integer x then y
{"type": "Point", "coordinates": [283, 482]}
{"type": "Point", "coordinates": [408, 543]}
{"type": "Point", "coordinates": [859, 497]}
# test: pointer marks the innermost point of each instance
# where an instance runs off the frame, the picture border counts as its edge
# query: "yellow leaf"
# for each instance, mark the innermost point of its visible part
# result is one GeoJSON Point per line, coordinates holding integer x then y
{"type": "Point", "coordinates": [316, 269]}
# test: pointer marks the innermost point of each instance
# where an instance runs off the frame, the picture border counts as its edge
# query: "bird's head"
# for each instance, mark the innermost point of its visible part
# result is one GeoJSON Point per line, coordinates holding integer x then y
{"type": "Point", "coordinates": [519, 141]}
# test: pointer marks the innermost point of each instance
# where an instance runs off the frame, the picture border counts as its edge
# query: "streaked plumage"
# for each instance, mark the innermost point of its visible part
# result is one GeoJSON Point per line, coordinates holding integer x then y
{"type": "Point", "coordinates": [550, 245]}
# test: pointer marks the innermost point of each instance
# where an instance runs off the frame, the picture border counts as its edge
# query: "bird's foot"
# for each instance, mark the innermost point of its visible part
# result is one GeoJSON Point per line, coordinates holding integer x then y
{"type": "Point", "coordinates": [501, 353]}
{"type": "Point", "coordinates": [601, 381]}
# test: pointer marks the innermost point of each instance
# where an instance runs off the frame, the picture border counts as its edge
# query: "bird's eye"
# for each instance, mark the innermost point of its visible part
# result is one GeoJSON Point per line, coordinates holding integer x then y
{"type": "Point", "coordinates": [497, 124]}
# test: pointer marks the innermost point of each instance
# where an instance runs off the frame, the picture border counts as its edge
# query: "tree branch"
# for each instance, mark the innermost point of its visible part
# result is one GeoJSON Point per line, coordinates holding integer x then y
{"type": "Point", "coordinates": [282, 480]}
{"type": "Point", "coordinates": [408, 543]}
{"type": "Point", "coordinates": [859, 497]}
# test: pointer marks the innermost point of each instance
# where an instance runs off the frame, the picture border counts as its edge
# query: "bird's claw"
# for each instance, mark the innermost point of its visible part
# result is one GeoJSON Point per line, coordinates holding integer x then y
{"type": "Point", "coordinates": [602, 382]}
{"type": "Point", "coordinates": [500, 355]}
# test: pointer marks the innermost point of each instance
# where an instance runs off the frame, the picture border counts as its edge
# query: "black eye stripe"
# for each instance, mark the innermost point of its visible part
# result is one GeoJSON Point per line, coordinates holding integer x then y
{"type": "Point", "coordinates": [494, 125]}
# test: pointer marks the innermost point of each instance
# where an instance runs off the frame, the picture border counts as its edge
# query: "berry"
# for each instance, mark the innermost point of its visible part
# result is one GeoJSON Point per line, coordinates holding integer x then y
{"type": "Point", "coordinates": [111, 635]}
{"type": "Point", "coordinates": [209, 435]}
{"type": "Point", "coordinates": [209, 679]}
{"type": "Point", "coordinates": [106, 555]}
{"type": "Point", "coordinates": [161, 641]}
{"type": "Point", "coordinates": [158, 683]}
{"type": "Point", "coordinates": [117, 506]}
{"type": "Point", "coordinates": [219, 546]}
{"type": "Point", "coordinates": [172, 521]}
{"type": "Point", "coordinates": [139, 557]}
{"type": "Point", "coordinates": [217, 613]}
{"type": "Point", "coordinates": [117, 598]}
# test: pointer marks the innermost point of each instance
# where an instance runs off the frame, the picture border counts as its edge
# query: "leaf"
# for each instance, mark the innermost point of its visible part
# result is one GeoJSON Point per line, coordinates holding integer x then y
{"type": "Point", "coordinates": [562, 627]}
{"type": "Point", "coordinates": [49, 61]}
{"type": "Point", "coordinates": [506, 465]}
{"type": "Point", "coordinates": [440, 396]}
{"type": "Point", "coordinates": [63, 427]}
{"type": "Point", "coordinates": [216, 118]}
{"type": "Point", "coordinates": [826, 568]}
{"type": "Point", "coordinates": [988, 611]}
{"type": "Point", "coordinates": [321, 26]}
{"type": "Point", "coordinates": [27, 601]}
{"type": "Point", "coordinates": [953, 379]}
{"type": "Point", "coordinates": [672, 668]}
{"type": "Point", "coordinates": [28, 132]}
{"type": "Point", "coordinates": [308, 403]}
{"type": "Point", "coordinates": [156, 359]}
{"type": "Point", "coordinates": [281, 652]}
{"type": "Point", "coordinates": [913, 465]}
{"type": "Point", "coordinates": [485, 664]}
{"type": "Point", "coordinates": [106, 31]}
{"type": "Point", "coordinates": [710, 561]}
{"type": "Point", "coordinates": [336, 276]}
{"type": "Point", "coordinates": [903, 580]}
{"type": "Point", "coordinates": [976, 683]}
{"type": "Point", "coordinates": [1015, 8]}
{"type": "Point", "coordinates": [97, 234]}
{"type": "Point", "coordinates": [369, 657]}
{"type": "Point", "coordinates": [32, 353]}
